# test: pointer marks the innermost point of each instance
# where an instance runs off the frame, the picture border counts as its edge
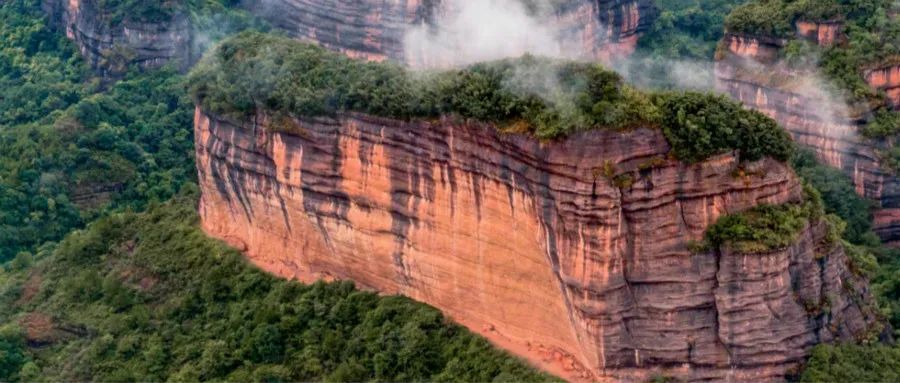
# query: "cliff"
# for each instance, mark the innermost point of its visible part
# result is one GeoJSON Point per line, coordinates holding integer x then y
{"type": "Point", "coordinates": [886, 78]}
{"type": "Point", "coordinates": [111, 47]}
{"type": "Point", "coordinates": [749, 69]}
{"type": "Point", "coordinates": [374, 29]}
{"type": "Point", "coordinates": [573, 253]}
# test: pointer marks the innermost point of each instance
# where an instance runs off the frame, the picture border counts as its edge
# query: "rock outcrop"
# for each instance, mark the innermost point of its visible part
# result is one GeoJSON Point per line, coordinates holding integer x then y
{"type": "Point", "coordinates": [887, 79]}
{"type": "Point", "coordinates": [749, 69]}
{"type": "Point", "coordinates": [112, 47]}
{"type": "Point", "coordinates": [575, 254]}
{"type": "Point", "coordinates": [375, 29]}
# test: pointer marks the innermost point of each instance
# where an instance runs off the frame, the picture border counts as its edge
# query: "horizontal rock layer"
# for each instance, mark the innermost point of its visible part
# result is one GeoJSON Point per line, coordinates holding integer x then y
{"type": "Point", "coordinates": [375, 29]}
{"type": "Point", "coordinates": [749, 70]}
{"type": "Point", "coordinates": [111, 49]}
{"type": "Point", "coordinates": [572, 253]}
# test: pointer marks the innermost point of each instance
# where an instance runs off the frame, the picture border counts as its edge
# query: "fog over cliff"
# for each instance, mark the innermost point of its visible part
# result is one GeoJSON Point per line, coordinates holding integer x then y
{"type": "Point", "coordinates": [467, 32]}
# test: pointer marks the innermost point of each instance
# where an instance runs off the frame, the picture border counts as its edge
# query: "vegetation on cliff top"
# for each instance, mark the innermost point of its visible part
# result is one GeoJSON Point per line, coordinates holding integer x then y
{"type": "Point", "coordinates": [255, 72]}
{"type": "Point", "coordinates": [872, 35]}
{"type": "Point", "coordinates": [870, 40]}
{"type": "Point", "coordinates": [148, 297]}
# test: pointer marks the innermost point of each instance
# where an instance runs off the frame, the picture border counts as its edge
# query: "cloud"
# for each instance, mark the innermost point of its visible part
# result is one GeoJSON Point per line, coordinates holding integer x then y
{"type": "Point", "coordinates": [466, 32]}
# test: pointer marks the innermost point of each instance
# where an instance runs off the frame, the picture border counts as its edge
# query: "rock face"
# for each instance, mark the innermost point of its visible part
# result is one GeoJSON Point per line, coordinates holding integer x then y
{"type": "Point", "coordinates": [573, 253]}
{"type": "Point", "coordinates": [886, 79]}
{"type": "Point", "coordinates": [112, 48]}
{"type": "Point", "coordinates": [374, 29]}
{"type": "Point", "coordinates": [748, 69]}
{"type": "Point", "coordinates": [824, 34]}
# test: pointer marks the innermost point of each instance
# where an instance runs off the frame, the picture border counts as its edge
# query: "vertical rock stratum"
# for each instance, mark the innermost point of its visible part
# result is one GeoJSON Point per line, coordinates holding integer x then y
{"type": "Point", "coordinates": [750, 69]}
{"type": "Point", "coordinates": [542, 247]}
{"type": "Point", "coordinates": [375, 29]}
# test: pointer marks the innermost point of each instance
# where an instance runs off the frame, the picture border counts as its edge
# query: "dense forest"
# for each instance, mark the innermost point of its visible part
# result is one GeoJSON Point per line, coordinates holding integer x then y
{"type": "Point", "coordinates": [870, 39]}
{"type": "Point", "coordinates": [106, 276]}
{"type": "Point", "coordinates": [92, 289]}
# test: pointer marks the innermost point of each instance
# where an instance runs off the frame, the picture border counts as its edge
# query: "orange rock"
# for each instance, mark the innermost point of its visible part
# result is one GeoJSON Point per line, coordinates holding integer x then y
{"type": "Point", "coordinates": [522, 241]}
{"type": "Point", "coordinates": [824, 34]}
{"type": "Point", "coordinates": [751, 73]}
{"type": "Point", "coordinates": [886, 79]}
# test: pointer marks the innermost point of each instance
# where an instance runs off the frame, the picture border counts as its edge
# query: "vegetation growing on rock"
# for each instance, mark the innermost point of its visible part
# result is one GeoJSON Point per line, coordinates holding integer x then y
{"type": "Point", "coordinates": [761, 229]}
{"type": "Point", "coordinates": [873, 37]}
{"type": "Point", "coordinates": [253, 72]}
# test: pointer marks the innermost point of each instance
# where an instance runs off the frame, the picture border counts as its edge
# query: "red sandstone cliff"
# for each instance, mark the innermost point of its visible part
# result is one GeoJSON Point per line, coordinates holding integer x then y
{"type": "Point", "coordinates": [529, 244]}
{"type": "Point", "coordinates": [374, 29]}
{"type": "Point", "coordinates": [749, 69]}
{"type": "Point", "coordinates": [112, 48]}
{"type": "Point", "coordinates": [886, 78]}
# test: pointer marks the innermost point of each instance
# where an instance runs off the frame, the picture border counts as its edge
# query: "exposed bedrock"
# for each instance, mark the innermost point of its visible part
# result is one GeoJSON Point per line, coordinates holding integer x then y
{"type": "Point", "coordinates": [375, 29]}
{"type": "Point", "coordinates": [887, 79]}
{"type": "Point", "coordinates": [748, 69]}
{"type": "Point", "coordinates": [112, 47]}
{"type": "Point", "coordinates": [531, 244]}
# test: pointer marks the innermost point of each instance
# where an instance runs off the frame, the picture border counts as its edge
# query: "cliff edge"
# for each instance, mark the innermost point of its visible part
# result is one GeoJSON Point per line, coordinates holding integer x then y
{"type": "Point", "coordinates": [530, 245]}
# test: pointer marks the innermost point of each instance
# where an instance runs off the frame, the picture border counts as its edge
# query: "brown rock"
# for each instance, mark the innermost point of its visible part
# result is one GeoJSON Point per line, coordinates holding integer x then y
{"type": "Point", "coordinates": [749, 71]}
{"type": "Point", "coordinates": [530, 243]}
{"type": "Point", "coordinates": [374, 29]}
{"type": "Point", "coordinates": [887, 79]}
{"type": "Point", "coordinates": [823, 33]}
{"type": "Point", "coordinates": [110, 49]}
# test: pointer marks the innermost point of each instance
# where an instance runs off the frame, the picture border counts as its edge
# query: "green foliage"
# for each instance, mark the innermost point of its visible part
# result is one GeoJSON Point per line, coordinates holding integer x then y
{"type": "Point", "coordinates": [885, 124]}
{"type": "Point", "coordinates": [839, 197]}
{"type": "Point", "coordinates": [164, 302]}
{"type": "Point", "coordinates": [157, 11]}
{"type": "Point", "coordinates": [254, 71]}
{"type": "Point", "coordinates": [776, 17]}
{"type": "Point", "coordinates": [873, 38]}
{"type": "Point", "coordinates": [686, 29]}
{"type": "Point", "coordinates": [761, 229]}
{"type": "Point", "coordinates": [12, 352]}
{"type": "Point", "coordinates": [852, 363]}
{"type": "Point", "coordinates": [701, 125]}
{"type": "Point", "coordinates": [70, 150]}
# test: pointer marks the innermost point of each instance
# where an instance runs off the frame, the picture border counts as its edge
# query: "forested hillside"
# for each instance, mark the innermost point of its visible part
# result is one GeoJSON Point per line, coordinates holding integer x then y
{"type": "Point", "coordinates": [130, 296]}
{"type": "Point", "coordinates": [106, 276]}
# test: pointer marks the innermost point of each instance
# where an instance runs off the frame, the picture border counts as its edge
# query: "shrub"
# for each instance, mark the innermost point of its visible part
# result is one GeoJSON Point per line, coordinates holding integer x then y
{"type": "Point", "coordinates": [254, 71]}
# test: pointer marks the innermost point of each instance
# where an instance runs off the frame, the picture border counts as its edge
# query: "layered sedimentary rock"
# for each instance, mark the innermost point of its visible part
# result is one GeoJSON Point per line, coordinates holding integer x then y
{"type": "Point", "coordinates": [823, 33]}
{"type": "Point", "coordinates": [749, 69]}
{"type": "Point", "coordinates": [887, 79]}
{"type": "Point", "coordinates": [573, 253]}
{"type": "Point", "coordinates": [112, 47]}
{"type": "Point", "coordinates": [375, 29]}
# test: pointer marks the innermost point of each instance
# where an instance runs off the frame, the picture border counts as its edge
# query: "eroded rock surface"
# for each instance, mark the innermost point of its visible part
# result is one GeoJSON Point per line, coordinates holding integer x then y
{"type": "Point", "coordinates": [573, 253]}
{"type": "Point", "coordinates": [112, 47]}
{"type": "Point", "coordinates": [748, 68]}
{"type": "Point", "coordinates": [375, 29]}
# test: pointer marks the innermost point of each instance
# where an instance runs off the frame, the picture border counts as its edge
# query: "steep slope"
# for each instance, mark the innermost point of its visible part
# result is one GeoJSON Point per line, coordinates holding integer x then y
{"type": "Point", "coordinates": [579, 253]}
{"type": "Point", "coordinates": [524, 243]}
{"type": "Point", "coordinates": [757, 64]}
{"type": "Point", "coordinates": [112, 43]}
{"type": "Point", "coordinates": [374, 29]}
